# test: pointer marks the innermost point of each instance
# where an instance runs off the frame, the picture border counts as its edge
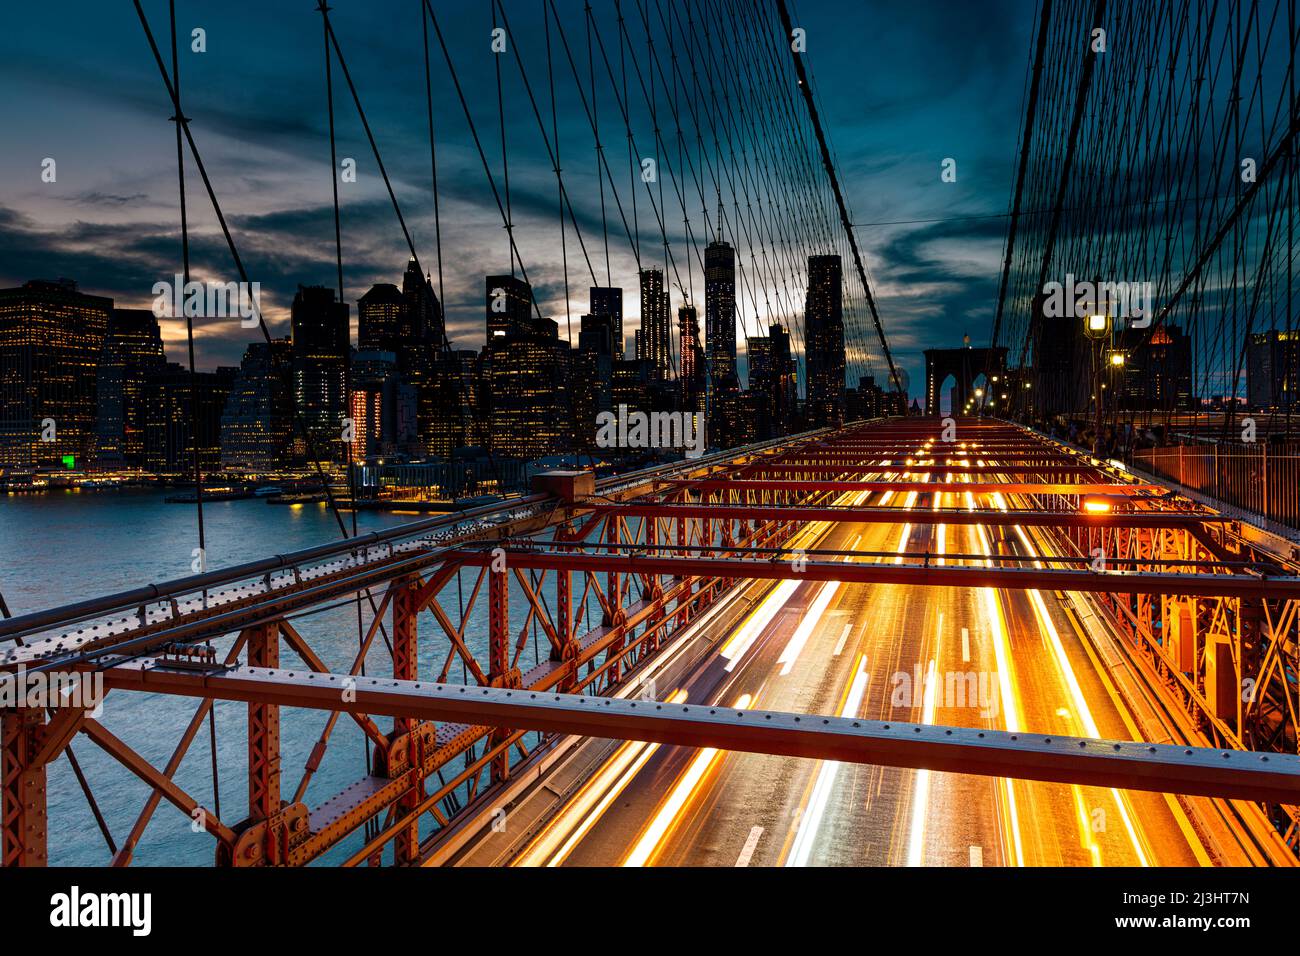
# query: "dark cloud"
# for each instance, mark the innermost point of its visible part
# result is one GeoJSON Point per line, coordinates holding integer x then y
{"type": "Point", "coordinates": [96, 198]}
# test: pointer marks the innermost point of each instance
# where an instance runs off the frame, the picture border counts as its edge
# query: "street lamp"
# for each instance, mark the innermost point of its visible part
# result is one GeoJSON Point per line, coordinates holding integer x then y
{"type": "Point", "coordinates": [1117, 359]}
{"type": "Point", "coordinates": [1097, 327]}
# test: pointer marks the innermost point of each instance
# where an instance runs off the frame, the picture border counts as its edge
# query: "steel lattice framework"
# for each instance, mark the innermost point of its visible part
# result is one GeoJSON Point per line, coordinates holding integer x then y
{"type": "Point", "coordinates": [608, 576]}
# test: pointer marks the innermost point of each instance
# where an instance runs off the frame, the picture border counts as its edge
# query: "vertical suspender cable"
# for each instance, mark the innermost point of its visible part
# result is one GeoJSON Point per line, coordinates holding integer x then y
{"type": "Point", "coordinates": [179, 118]}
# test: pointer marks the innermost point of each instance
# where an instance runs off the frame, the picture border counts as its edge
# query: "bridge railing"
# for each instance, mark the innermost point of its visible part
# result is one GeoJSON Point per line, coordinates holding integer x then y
{"type": "Point", "coordinates": [1263, 479]}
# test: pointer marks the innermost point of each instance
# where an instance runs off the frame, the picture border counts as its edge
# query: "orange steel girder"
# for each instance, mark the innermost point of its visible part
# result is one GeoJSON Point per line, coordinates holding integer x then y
{"type": "Point", "coordinates": [263, 732]}
{"type": "Point", "coordinates": [23, 820]}
{"type": "Point", "coordinates": [404, 738]}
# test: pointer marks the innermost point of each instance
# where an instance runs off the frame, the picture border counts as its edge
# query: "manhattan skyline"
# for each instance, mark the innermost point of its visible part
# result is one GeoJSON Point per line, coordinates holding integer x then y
{"type": "Point", "coordinates": [257, 106]}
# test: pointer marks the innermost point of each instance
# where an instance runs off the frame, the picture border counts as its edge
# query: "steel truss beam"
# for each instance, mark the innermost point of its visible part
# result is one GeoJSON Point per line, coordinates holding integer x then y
{"type": "Point", "coordinates": [1229, 774]}
{"type": "Point", "coordinates": [925, 574]}
{"type": "Point", "coordinates": [740, 485]}
{"type": "Point", "coordinates": [853, 463]}
{"type": "Point", "coordinates": [858, 515]}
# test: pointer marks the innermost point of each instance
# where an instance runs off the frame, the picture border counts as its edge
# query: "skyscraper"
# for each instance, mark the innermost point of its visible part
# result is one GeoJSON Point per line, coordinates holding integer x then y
{"type": "Point", "coordinates": [785, 371]}
{"type": "Point", "coordinates": [607, 301]}
{"type": "Point", "coordinates": [655, 333]}
{"type": "Point", "coordinates": [257, 427]}
{"type": "Point", "coordinates": [181, 411]}
{"type": "Point", "coordinates": [509, 303]}
{"type": "Point", "coordinates": [1272, 370]}
{"type": "Point", "coordinates": [1062, 361]}
{"type": "Point", "coordinates": [632, 379]}
{"type": "Point", "coordinates": [449, 411]}
{"type": "Point", "coordinates": [529, 371]}
{"type": "Point", "coordinates": [383, 320]}
{"type": "Point", "coordinates": [592, 377]}
{"type": "Point", "coordinates": [758, 354]}
{"type": "Point", "coordinates": [694, 381]}
{"type": "Point", "coordinates": [720, 309]}
{"type": "Point", "coordinates": [368, 417]}
{"type": "Point", "coordinates": [772, 373]}
{"type": "Point", "coordinates": [424, 311]}
{"type": "Point", "coordinates": [1158, 370]}
{"type": "Point", "coordinates": [867, 400]}
{"type": "Point", "coordinates": [132, 350]}
{"type": "Point", "coordinates": [824, 322]}
{"type": "Point", "coordinates": [596, 334]}
{"type": "Point", "coordinates": [320, 366]}
{"type": "Point", "coordinates": [720, 342]}
{"type": "Point", "coordinates": [51, 337]}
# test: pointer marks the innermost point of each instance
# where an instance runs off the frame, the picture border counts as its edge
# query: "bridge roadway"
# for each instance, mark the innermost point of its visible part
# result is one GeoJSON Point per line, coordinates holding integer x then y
{"type": "Point", "coordinates": [858, 650]}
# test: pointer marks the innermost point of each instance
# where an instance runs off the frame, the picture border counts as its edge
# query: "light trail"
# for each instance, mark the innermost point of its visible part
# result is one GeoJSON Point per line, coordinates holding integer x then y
{"type": "Point", "coordinates": [767, 609]}
{"type": "Point", "coordinates": [1011, 703]}
{"type": "Point", "coordinates": [554, 844]}
{"type": "Point", "coordinates": [921, 795]}
{"type": "Point", "coordinates": [807, 625]}
{"type": "Point", "coordinates": [1047, 628]}
{"type": "Point", "coordinates": [670, 811]}
{"type": "Point", "coordinates": [811, 820]}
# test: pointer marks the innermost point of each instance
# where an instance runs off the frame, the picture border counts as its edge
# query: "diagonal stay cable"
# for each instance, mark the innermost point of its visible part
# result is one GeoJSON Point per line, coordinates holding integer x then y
{"type": "Point", "coordinates": [239, 267]}
{"type": "Point", "coordinates": [839, 198]}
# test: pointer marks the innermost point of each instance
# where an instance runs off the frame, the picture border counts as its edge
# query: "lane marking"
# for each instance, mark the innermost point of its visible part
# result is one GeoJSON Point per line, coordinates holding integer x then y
{"type": "Point", "coordinates": [843, 637]}
{"type": "Point", "coordinates": [747, 851]}
{"type": "Point", "coordinates": [977, 856]}
{"type": "Point", "coordinates": [965, 644]}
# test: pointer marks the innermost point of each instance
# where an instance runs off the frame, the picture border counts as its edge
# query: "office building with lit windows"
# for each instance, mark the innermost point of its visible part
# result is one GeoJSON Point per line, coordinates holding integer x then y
{"type": "Point", "coordinates": [133, 349]}
{"type": "Point", "coordinates": [607, 302]}
{"type": "Point", "coordinates": [824, 325]}
{"type": "Point", "coordinates": [383, 320]}
{"type": "Point", "coordinates": [656, 340]}
{"type": "Point", "coordinates": [772, 382]}
{"type": "Point", "coordinates": [321, 351]}
{"type": "Point", "coordinates": [51, 336]}
{"type": "Point", "coordinates": [257, 428]}
{"type": "Point", "coordinates": [181, 412]}
{"type": "Point", "coordinates": [531, 414]}
{"type": "Point", "coordinates": [509, 303]}
{"type": "Point", "coordinates": [693, 378]}
{"type": "Point", "coordinates": [1273, 370]}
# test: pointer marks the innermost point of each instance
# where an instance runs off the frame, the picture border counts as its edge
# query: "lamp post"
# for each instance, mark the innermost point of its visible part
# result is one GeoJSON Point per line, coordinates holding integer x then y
{"type": "Point", "coordinates": [1096, 325]}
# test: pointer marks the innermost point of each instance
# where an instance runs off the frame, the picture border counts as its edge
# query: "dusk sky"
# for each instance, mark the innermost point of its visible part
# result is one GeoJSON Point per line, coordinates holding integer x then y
{"type": "Point", "coordinates": [903, 86]}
